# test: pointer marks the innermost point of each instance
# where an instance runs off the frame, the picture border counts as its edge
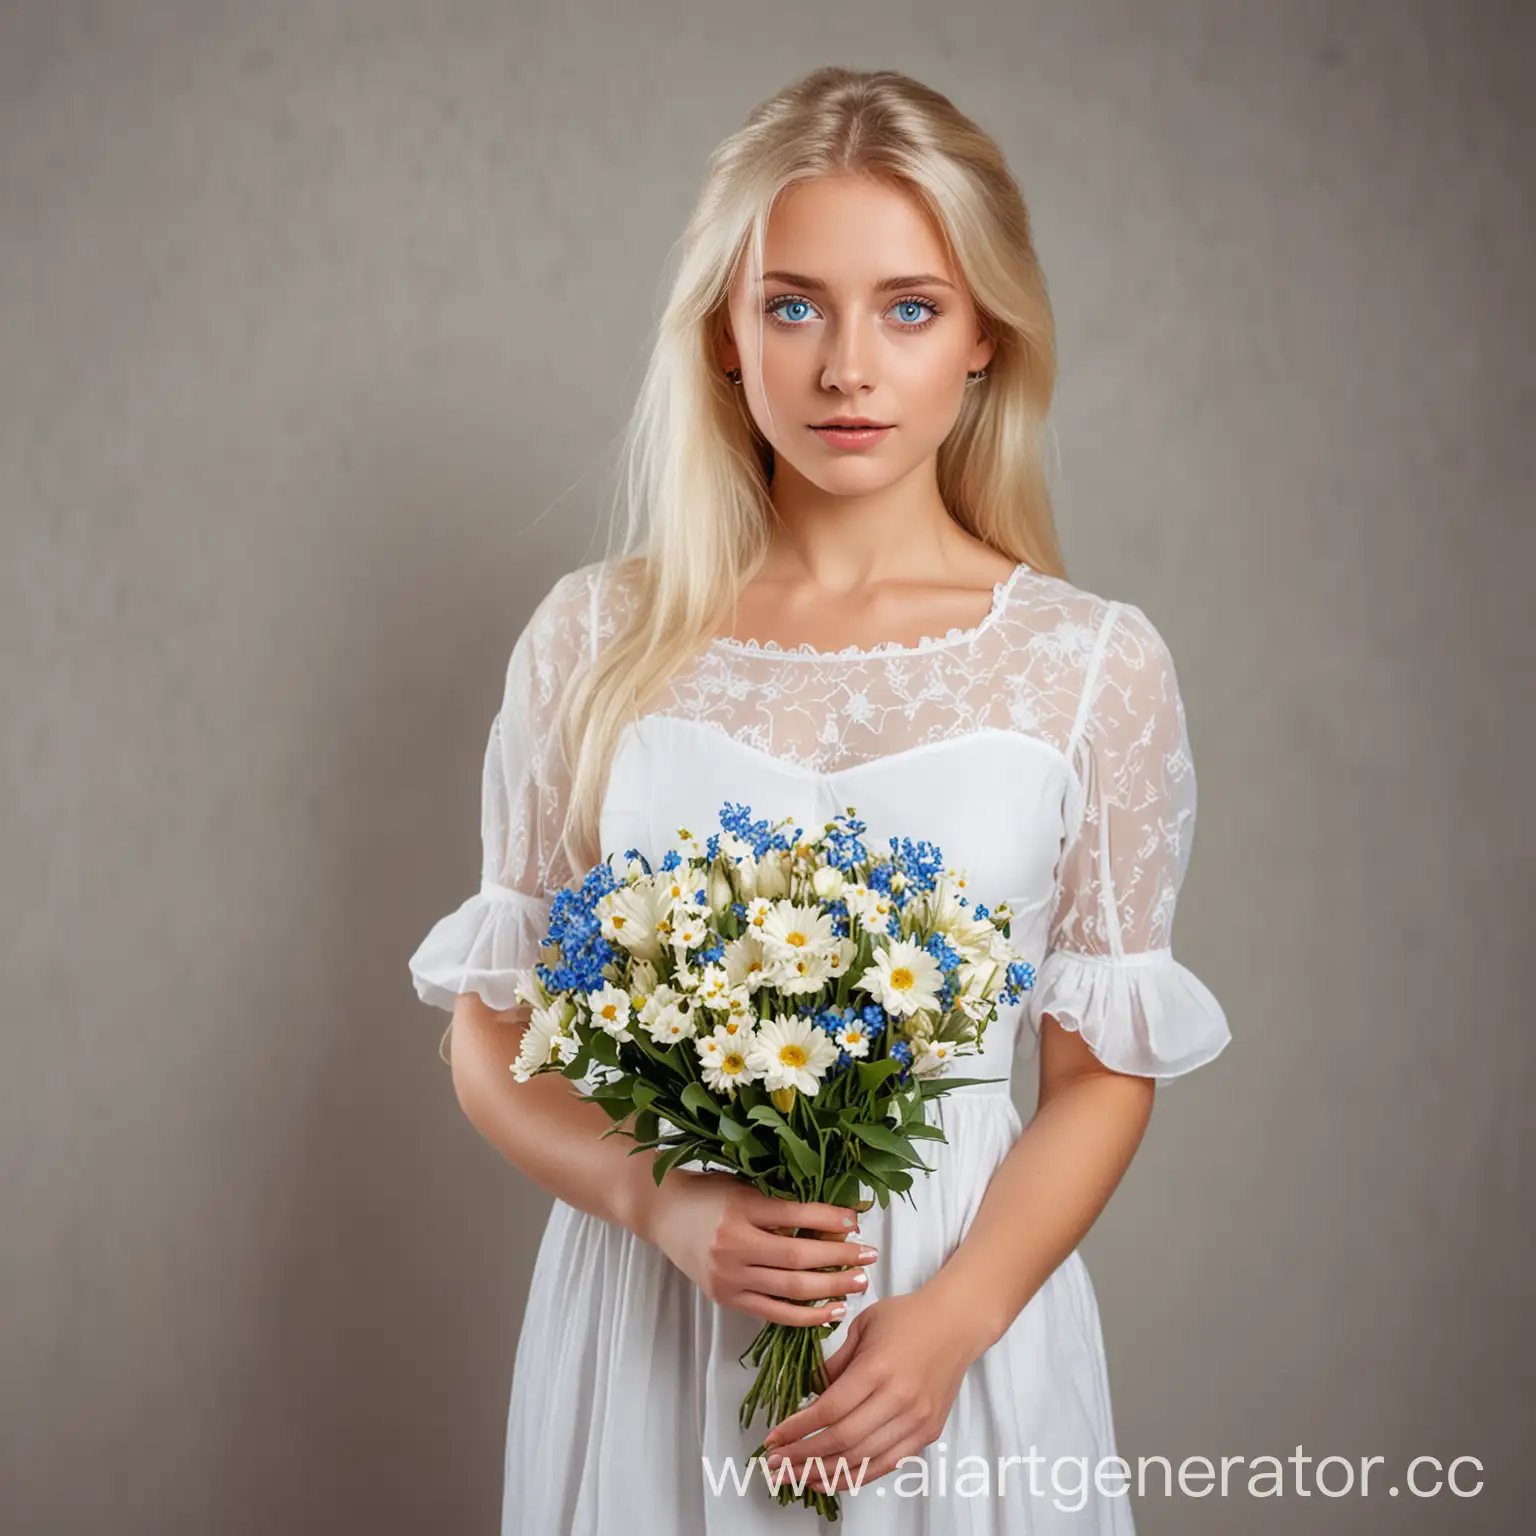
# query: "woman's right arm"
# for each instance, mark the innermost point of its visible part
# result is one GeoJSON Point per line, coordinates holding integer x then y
{"type": "Point", "coordinates": [716, 1228]}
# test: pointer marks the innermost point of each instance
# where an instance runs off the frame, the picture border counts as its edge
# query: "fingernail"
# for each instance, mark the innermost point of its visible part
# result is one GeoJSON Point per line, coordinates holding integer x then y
{"type": "Point", "coordinates": [847, 1221]}
{"type": "Point", "coordinates": [837, 1309]}
{"type": "Point", "coordinates": [861, 1278]}
{"type": "Point", "coordinates": [867, 1255]}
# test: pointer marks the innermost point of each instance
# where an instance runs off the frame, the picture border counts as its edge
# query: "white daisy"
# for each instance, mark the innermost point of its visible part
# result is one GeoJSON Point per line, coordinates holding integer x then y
{"type": "Point", "coordinates": [610, 1009]}
{"type": "Point", "coordinates": [809, 973]}
{"type": "Point", "coordinates": [933, 1058]}
{"type": "Point", "coordinates": [681, 884]}
{"type": "Point", "coordinates": [727, 1068]}
{"type": "Point", "coordinates": [841, 957]}
{"type": "Point", "coordinates": [537, 1043]}
{"type": "Point", "coordinates": [791, 1052]}
{"type": "Point", "coordinates": [853, 1038]}
{"type": "Point", "coordinates": [671, 1024]}
{"type": "Point", "coordinates": [903, 978]}
{"type": "Point", "coordinates": [792, 932]}
{"type": "Point", "coordinates": [690, 926]}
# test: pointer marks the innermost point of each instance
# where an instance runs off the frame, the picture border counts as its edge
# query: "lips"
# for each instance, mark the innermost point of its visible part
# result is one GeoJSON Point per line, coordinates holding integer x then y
{"type": "Point", "coordinates": [849, 424]}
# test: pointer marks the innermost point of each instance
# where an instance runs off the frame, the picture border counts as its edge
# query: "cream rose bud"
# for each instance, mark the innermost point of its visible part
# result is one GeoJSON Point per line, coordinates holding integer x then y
{"type": "Point", "coordinates": [827, 883]}
{"type": "Point", "coordinates": [772, 876]}
{"type": "Point", "coordinates": [719, 890]}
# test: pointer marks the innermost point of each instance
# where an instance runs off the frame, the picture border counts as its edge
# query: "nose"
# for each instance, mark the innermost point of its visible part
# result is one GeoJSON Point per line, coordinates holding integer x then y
{"type": "Point", "coordinates": [850, 361]}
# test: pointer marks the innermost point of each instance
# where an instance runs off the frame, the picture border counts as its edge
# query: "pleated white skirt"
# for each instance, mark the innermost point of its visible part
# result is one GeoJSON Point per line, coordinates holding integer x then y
{"type": "Point", "coordinates": [627, 1384]}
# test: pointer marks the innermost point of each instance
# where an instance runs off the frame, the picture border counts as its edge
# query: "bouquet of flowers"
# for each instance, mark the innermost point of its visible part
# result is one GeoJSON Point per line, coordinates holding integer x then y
{"type": "Point", "coordinates": [777, 1005]}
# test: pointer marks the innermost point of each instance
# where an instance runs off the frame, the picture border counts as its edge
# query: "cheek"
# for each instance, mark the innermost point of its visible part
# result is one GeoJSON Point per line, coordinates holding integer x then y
{"type": "Point", "coordinates": [784, 385]}
{"type": "Point", "coordinates": [930, 390]}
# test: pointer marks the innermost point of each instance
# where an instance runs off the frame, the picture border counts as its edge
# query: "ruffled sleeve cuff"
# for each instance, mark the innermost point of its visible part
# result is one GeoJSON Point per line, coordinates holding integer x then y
{"type": "Point", "coordinates": [1144, 1014]}
{"type": "Point", "coordinates": [485, 946]}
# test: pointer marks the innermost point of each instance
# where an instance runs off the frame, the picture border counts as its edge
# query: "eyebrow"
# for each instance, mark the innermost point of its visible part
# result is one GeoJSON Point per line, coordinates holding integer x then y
{"type": "Point", "coordinates": [916, 280]}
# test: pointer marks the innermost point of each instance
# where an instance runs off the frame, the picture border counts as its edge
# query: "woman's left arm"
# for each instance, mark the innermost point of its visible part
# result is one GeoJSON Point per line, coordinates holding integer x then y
{"type": "Point", "coordinates": [1048, 1191]}
{"type": "Point", "coordinates": [1138, 1017]}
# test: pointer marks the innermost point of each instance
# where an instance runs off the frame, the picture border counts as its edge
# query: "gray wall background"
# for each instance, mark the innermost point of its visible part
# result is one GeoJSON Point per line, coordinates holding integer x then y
{"type": "Point", "coordinates": [317, 321]}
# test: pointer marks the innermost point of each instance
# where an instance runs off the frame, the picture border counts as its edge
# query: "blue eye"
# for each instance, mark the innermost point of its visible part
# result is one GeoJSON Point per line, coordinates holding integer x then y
{"type": "Point", "coordinates": [789, 302]}
{"type": "Point", "coordinates": [911, 304]}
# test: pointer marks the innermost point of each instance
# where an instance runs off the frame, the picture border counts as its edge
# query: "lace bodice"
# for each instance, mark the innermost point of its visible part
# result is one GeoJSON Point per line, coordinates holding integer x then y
{"type": "Point", "coordinates": [1086, 680]}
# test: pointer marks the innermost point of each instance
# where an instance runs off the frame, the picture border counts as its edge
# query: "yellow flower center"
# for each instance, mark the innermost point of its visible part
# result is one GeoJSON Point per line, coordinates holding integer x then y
{"type": "Point", "coordinates": [792, 1055]}
{"type": "Point", "coordinates": [610, 1010]}
{"type": "Point", "coordinates": [902, 978]}
{"type": "Point", "coordinates": [796, 938]}
{"type": "Point", "coordinates": [734, 1062]}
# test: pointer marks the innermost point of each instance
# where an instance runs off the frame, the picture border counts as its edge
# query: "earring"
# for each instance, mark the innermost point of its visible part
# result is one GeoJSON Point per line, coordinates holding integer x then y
{"type": "Point", "coordinates": [975, 378]}
{"type": "Point", "coordinates": [734, 375]}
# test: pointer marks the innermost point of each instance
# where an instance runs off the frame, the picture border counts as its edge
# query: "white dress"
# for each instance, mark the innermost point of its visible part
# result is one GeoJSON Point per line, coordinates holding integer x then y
{"type": "Point", "coordinates": [1045, 751]}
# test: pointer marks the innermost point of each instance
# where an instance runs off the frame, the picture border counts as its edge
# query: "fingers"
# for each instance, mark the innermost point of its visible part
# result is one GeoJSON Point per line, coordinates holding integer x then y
{"type": "Point", "coordinates": [759, 1247]}
{"type": "Point", "coordinates": [795, 1313]}
{"type": "Point", "coordinates": [842, 1397]}
{"type": "Point", "coordinates": [887, 1446]}
{"type": "Point", "coordinates": [865, 1423]}
{"type": "Point", "coordinates": [804, 1284]}
{"type": "Point", "coordinates": [766, 1211]}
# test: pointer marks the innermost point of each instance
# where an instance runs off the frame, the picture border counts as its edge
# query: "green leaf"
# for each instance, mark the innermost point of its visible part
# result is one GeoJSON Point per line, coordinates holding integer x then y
{"type": "Point", "coordinates": [669, 1158]}
{"type": "Point", "coordinates": [644, 1093]}
{"type": "Point", "coordinates": [603, 1046]}
{"type": "Point", "coordinates": [622, 1088]}
{"type": "Point", "coordinates": [845, 1189]}
{"type": "Point", "coordinates": [647, 1125]}
{"type": "Point", "coordinates": [930, 1132]}
{"type": "Point", "coordinates": [807, 1162]}
{"type": "Point", "coordinates": [614, 1110]}
{"type": "Point", "coordinates": [929, 1086]}
{"type": "Point", "coordinates": [884, 1139]}
{"type": "Point", "coordinates": [732, 1129]}
{"type": "Point", "coordinates": [873, 1073]}
{"type": "Point", "coordinates": [734, 1134]}
{"type": "Point", "coordinates": [699, 1099]}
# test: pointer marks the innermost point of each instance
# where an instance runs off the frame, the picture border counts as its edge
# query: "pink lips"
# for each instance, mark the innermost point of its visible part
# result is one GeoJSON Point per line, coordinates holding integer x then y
{"type": "Point", "coordinates": [851, 437]}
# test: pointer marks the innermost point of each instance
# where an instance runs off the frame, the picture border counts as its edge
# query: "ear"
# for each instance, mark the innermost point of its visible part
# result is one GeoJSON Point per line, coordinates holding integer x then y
{"type": "Point", "coordinates": [981, 353]}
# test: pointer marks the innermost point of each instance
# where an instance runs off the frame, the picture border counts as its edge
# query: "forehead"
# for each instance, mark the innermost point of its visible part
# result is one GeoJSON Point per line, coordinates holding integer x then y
{"type": "Point", "coordinates": [852, 231]}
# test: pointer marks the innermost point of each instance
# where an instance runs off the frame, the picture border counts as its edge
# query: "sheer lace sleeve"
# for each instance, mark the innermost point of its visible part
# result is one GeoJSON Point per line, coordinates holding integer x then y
{"type": "Point", "coordinates": [495, 933]}
{"type": "Point", "coordinates": [1109, 971]}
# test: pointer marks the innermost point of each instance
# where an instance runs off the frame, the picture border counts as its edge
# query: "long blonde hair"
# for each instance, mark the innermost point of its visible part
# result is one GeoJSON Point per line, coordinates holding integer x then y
{"type": "Point", "coordinates": [694, 489]}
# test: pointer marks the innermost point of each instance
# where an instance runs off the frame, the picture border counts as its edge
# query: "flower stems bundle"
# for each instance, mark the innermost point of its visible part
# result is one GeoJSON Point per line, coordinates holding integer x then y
{"type": "Point", "coordinates": [779, 1006]}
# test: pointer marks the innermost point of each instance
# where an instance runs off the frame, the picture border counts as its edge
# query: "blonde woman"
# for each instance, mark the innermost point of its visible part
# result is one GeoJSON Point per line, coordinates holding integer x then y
{"type": "Point", "coordinates": [841, 587]}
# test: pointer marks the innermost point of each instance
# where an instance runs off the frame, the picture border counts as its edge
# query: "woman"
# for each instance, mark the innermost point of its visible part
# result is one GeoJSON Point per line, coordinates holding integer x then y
{"type": "Point", "coordinates": [829, 614]}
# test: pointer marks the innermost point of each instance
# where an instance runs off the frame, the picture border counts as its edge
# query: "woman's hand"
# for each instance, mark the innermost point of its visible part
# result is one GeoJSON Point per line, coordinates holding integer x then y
{"type": "Point", "coordinates": [891, 1384]}
{"type": "Point", "coordinates": [720, 1232]}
